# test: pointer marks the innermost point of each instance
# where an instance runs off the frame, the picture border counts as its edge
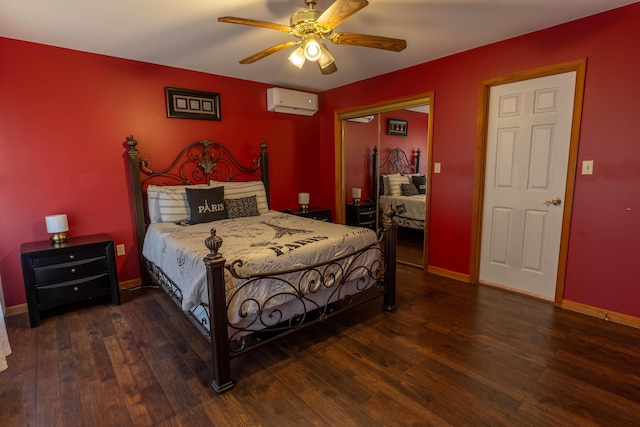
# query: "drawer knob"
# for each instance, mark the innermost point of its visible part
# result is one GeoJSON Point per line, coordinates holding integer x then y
{"type": "Point", "coordinates": [75, 288]}
{"type": "Point", "coordinates": [72, 256]}
{"type": "Point", "coordinates": [73, 270]}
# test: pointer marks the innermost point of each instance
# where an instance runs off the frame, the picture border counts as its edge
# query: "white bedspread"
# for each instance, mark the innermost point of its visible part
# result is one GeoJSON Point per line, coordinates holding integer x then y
{"type": "Point", "coordinates": [270, 242]}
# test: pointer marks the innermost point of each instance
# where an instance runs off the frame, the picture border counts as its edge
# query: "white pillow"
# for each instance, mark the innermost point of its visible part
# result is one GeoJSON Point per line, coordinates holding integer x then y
{"type": "Point", "coordinates": [395, 181]}
{"type": "Point", "coordinates": [237, 190]}
{"type": "Point", "coordinates": [168, 203]}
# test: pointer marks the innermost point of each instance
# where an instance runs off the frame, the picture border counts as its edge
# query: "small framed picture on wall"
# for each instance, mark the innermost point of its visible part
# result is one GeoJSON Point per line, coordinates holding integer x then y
{"type": "Point", "coordinates": [397, 127]}
{"type": "Point", "coordinates": [192, 104]}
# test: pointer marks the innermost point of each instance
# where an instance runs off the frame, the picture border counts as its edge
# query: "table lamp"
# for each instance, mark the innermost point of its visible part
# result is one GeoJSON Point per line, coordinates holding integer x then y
{"type": "Point", "coordinates": [303, 201]}
{"type": "Point", "coordinates": [57, 226]}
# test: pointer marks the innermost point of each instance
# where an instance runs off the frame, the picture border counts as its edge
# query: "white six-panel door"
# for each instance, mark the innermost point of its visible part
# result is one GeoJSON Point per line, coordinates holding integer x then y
{"type": "Point", "coordinates": [528, 140]}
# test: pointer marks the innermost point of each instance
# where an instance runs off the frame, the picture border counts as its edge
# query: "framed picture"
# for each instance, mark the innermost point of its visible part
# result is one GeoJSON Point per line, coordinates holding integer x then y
{"type": "Point", "coordinates": [192, 104]}
{"type": "Point", "coordinates": [397, 127]}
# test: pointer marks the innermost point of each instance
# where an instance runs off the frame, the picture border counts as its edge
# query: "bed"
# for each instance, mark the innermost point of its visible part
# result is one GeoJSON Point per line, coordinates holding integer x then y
{"type": "Point", "coordinates": [251, 274]}
{"type": "Point", "coordinates": [399, 184]}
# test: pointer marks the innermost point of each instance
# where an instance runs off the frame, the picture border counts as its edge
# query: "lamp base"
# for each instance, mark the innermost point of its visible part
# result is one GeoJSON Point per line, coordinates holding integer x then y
{"type": "Point", "coordinates": [304, 208]}
{"type": "Point", "coordinates": [58, 238]}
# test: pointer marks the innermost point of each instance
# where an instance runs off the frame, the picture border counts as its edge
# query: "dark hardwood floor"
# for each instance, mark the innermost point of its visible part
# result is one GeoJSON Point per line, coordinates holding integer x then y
{"type": "Point", "coordinates": [451, 354]}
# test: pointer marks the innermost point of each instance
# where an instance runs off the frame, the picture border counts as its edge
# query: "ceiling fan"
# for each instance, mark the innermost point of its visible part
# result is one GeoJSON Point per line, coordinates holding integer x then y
{"type": "Point", "coordinates": [311, 27]}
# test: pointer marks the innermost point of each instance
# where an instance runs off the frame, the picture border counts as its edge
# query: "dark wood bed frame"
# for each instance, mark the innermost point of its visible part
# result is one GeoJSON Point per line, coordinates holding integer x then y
{"type": "Point", "coordinates": [201, 162]}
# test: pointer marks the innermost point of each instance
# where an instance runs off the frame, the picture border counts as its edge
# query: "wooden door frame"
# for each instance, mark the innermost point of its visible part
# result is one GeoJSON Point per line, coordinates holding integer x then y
{"type": "Point", "coordinates": [376, 108]}
{"type": "Point", "coordinates": [579, 66]}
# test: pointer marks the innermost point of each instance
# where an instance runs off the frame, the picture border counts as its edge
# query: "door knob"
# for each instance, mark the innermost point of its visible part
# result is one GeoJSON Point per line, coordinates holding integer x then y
{"type": "Point", "coordinates": [554, 202]}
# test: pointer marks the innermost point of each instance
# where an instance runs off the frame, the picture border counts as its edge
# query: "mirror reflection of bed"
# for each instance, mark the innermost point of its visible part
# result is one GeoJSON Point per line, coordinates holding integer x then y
{"type": "Point", "coordinates": [402, 186]}
{"type": "Point", "coordinates": [367, 133]}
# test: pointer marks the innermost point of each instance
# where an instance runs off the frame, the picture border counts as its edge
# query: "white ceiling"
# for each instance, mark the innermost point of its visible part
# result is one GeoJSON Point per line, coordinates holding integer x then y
{"type": "Point", "coordinates": [186, 34]}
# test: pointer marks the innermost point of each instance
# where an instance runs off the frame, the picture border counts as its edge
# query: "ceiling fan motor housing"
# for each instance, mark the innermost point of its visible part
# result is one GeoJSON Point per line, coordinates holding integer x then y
{"type": "Point", "coordinates": [305, 16]}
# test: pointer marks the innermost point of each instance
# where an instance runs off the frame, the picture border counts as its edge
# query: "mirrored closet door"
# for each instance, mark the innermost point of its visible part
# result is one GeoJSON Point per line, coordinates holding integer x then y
{"type": "Point", "coordinates": [386, 162]}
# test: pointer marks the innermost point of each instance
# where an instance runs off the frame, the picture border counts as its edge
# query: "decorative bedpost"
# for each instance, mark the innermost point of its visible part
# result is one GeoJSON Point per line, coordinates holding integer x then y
{"type": "Point", "coordinates": [214, 264]}
{"type": "Point", "coordinates": [390, 241]}
{"type": "Point", "coordinates": [264, 162]}
{"type": "Point", "coordinates": [138, 208]}
{"type": "Point", "coordinates": [375, 173]}
{"type": "Point", "coordinates": [417, 161]}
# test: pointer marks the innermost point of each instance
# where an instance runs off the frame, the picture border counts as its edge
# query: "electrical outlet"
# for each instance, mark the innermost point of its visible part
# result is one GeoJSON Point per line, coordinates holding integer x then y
{"type": "Point", "coordinates": [436, 168]}
{"type": "Point", "coordinates": [587, 167]}
{"type": "Point", "coordinates": [120, 249]}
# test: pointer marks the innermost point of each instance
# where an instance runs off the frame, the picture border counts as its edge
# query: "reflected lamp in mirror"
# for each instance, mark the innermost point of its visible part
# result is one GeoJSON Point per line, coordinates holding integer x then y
{"type": "Point", "coordinates": [57, 226]}
{"type": "Point", "coordinates": [303, 201]}
{"type": "Point", "coordinates": [356, 193]}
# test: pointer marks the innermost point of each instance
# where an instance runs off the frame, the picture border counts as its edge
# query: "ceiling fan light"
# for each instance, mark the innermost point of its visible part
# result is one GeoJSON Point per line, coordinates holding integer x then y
{"type": "Point", "coordinates": [297, 58]}
{"type": "Point", "coordinates": [326, 58]}
{"type": "Point", "coordinates": [312, 50]}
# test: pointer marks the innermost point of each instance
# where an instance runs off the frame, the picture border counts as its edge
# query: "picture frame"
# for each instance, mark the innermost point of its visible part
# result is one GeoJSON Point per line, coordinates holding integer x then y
{"type": "Point", "coordinates": [192, 104]}
{"type": "Point", "coordinates": [397, 127]}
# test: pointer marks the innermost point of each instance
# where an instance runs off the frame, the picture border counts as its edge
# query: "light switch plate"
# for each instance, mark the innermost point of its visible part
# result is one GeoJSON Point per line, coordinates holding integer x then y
{"type": "Point", "coordinates": [436, 168]}
{"type": "Point", "coordinates": [587, 167]}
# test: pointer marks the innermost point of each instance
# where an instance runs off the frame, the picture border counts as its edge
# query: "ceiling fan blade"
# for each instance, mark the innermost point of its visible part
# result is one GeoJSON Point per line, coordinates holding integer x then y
{"type": "Point", "coordinates": [366, 40]}
{"type": "Point", "coordinates": [254, 23]}
{"type": "Point", "coordinates": [329, 69]}
{"type": "Point", "coordinates": [269, 51]}
{"type": "Point", "coordinates": [339, 11]}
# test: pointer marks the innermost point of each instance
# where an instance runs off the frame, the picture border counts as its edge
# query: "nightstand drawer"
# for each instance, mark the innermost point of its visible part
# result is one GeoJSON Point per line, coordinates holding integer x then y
{"type": "Point", "coordinates": [367, 216]}
{"type": "Point", "coordinates": [70, 270]}
{"type": "Point", "coordinates": [56, 293]}
{"type": "Point", "coordinates": [363, 215]}
{"type": "Point", "coordinates": [67, 255]}
{"type": "Point", "coordinates": [363, 209]}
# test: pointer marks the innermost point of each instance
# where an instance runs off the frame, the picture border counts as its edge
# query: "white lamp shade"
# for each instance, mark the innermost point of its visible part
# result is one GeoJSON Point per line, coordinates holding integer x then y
{"type": "Point", "coordinates": [57, 223]}
{"type": "Point", "coordinates": [297, 57]}
{"type": "Point", "coordinates": [303, 198]}
{"type": "Point", "coordinates": [356, 193]}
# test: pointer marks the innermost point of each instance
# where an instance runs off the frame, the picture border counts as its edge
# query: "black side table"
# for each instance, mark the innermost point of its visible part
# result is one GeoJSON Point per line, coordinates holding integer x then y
{"type": "Point", "coordinates": [79, 269]}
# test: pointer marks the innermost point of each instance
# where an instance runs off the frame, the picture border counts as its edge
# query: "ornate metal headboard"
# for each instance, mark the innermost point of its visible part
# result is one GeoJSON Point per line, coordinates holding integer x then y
{"type": "Point", "coordinates": [198, 162]}
{"type": "Point", "coordinates": [396, 161]}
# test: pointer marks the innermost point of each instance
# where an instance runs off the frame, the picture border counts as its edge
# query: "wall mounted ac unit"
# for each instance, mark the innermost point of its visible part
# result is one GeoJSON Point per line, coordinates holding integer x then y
{"type": "Point", "coordinates": [291, 101]}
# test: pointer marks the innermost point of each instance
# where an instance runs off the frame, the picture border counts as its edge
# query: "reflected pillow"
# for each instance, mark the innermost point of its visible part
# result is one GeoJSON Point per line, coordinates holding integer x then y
{"type": "Point", "coordinates": [420, 182]}
{"type": "Point", "coordinates": [408, 190]}
{"type": "Point", "coordinates": [395, 181]}
{"type": "Point", "coordinates": [206, 205]}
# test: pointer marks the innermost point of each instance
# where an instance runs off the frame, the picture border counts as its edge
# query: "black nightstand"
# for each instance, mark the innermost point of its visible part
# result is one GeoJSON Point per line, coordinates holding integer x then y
{"type": "Point", "coordinates": [362, 215]}
{"type": "Point", "coordinates": [80, 269]}
{"type": "Point", "coordinates": [321, 214]}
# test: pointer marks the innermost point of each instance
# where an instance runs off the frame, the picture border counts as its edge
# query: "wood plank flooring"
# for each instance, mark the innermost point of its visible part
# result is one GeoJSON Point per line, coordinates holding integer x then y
{"type": "Point", "coordinates": [451, 354]}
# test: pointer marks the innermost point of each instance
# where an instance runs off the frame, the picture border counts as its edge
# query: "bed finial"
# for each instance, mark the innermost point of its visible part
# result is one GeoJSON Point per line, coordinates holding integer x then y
{"type": "Point", "coordinates": [213, 242]}
{"type": "Point", "coordinates": [389, 213]}
{"type": "Point", "coordinates": [132, 143]}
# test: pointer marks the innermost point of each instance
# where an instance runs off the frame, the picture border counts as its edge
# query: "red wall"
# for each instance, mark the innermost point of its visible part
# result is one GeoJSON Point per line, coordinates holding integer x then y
{"type": "Point", "coordinates": [65, 116]}
{"type": "Point", "coordinates": [605, 229]}
{"type": "Point", "coordinates": [362, 137]}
